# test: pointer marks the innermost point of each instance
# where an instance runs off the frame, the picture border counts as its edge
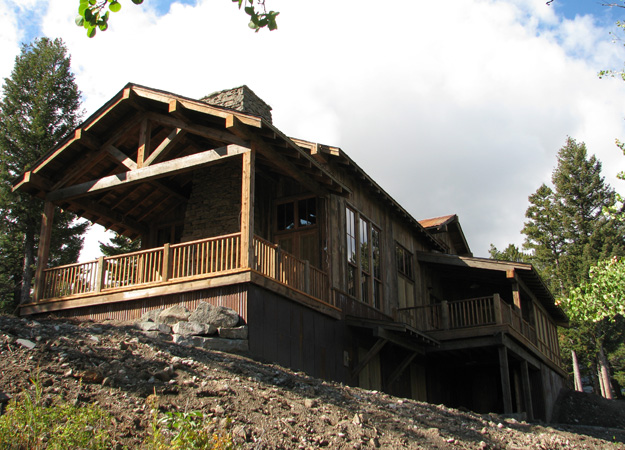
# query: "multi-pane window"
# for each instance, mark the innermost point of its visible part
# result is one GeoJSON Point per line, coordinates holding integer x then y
{"type": "Point", "coordinates": [351, 252]}
{"type": "Point", "coordinates": [296, 229]}
{"type": "Point", "coordinates": [364, 273]}
{"type": "Point", "coordinates": [404, 261]}
{"type": "Point", "coordinates": [296, 214]}
{"type": "Point", "coordinates": [405, 277]}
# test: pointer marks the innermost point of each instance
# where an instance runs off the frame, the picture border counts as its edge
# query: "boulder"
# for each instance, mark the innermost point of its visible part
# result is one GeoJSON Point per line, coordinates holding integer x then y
{"type": "Point", "coordinates": [233, 333]}
{"type": "Point", "coordinates": [193, 329]}
{"type": "Point", "coordinates": [152, 315]}
{"type": "Point", "coordinates": [222, 345]}
{"type": "Point", "coordinates": [174, 314]}
{"type": "Point", "coordinates": [218, 316]}
{"type": "Point", "coordinates": [153, 326]}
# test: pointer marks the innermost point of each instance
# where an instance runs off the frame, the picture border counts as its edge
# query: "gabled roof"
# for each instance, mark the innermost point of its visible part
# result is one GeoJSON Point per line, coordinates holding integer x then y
{"type": "Point", "coordinates": [95, 172]}
{"type": "Point", "coordinates": [449, 224]}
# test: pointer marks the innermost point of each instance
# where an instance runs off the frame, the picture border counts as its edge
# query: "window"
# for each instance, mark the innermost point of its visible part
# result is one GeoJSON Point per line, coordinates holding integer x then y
{"type": "Point", "coordinates": [364, 272]}
{"type": "Point", "coordinates": [296, 214]}
{"type": "Point", "coordinates": [351, 252]}
{"type": "Point", "coordinates": [405, 277]}
{"type": "Point", "coordinates": [296, 229]}
{"type": "Point", "coordinates": [404, 261]}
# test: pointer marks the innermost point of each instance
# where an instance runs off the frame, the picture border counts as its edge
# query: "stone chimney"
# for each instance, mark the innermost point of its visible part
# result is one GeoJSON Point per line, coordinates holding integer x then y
{"type": "Point", "coordinates": [240, 99]}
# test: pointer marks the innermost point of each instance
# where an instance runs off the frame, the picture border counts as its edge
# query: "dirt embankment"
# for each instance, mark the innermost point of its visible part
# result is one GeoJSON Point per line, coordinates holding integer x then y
{"type": "Point", "coordinates": [118, 367]}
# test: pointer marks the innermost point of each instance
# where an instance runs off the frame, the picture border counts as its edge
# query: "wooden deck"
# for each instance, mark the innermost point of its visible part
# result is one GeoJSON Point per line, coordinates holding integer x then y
{"type": "Point", "coordinates": [166, 268]}
{"type": "Point", "coordinates": [485, 316]}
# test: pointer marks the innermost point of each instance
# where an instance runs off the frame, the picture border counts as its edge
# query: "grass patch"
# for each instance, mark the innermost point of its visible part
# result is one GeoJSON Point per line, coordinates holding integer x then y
{"type": "Point", "coordinates": [29, 425]}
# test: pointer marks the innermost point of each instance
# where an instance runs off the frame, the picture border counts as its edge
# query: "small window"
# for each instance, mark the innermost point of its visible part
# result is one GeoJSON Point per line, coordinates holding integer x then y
{"type": "Point", "coordinates": [296, 214]}
{"type": "Point", "coordinates": [404, 261]}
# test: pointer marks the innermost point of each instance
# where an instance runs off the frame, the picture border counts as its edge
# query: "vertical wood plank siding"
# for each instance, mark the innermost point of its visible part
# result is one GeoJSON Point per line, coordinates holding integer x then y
{"type": "Point", "coordinates": [234, 297]}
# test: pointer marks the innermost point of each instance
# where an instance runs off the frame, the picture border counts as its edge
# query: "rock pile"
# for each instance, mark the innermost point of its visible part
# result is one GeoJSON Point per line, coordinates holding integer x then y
{"type": "Point", "coordinates": [210, 327]}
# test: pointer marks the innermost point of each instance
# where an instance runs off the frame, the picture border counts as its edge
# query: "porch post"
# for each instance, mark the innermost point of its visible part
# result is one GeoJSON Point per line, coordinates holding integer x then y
{"type": "Point", "coordinates": [497, 308]}
{"type": "Point", "coordinates": [516, 294]}
{"type": "Point", "coordinates": [505, 380]}
{"type": "Point", "coordinates": [247, 209]}
{"type": "Point", "coordinates": [527, 390]}
{"type": "Point", "coordinates": [44, 248]}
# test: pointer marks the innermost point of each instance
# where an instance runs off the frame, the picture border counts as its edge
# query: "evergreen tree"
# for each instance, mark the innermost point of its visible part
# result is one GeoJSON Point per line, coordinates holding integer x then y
{"type": "Point", "coordinates": [119, 245]}
{"type": "Point", "coordinates": [510, 253]}
{"type": "Point", "coordinates": [568, 232]}
{"type": "Point", "coordinates": [40, 106]}
{"type": "Point", "coordinates": [567, 229]}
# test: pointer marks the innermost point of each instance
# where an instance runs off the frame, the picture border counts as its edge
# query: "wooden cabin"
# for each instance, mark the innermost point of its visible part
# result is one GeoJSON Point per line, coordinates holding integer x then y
{"type": "Point", "coordinates": [331, 275]}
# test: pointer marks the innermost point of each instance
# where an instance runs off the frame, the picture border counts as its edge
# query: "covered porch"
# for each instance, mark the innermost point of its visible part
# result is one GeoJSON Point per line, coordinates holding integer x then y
{"type": "Point", "coordinates": [214, 194]}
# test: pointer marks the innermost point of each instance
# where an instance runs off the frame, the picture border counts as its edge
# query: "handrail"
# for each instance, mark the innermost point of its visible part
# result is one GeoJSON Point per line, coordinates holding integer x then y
{"type": "Point", "coordinates": [483, 311]}
{"type": "Point", "coordinates": [187, 260]}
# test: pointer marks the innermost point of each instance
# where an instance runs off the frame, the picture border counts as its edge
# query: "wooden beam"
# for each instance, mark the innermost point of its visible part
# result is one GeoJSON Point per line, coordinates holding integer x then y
{"type": "Point", "coordinates": [368, 357]}
{"type": "Point", "coordinates": [247, 208]}
{"type": "Point", "coordinates": [43, 252]}
{"type": "Point", "coordinates": [504, 373]}
{"type": "Point", "coordinates": [88, 162]}
{"type": "Point", "coordinates": [35, 180]}
{"type": "Point", "coordinates": [199, 130]}
{"type": "Point", "coordinates": [149, 173]}
{"type": "Point", "coordinates": [234, 124]}
{"type": "Point", "coordinates": [114, 216]}
{"type": "Point", "coordinates": [527, 390]}
{"type": "Point", "coordinates": [400, 369]}
{"type": "Point", "coordinates": [165, 147]}
{"type": "Point", "coordinates": [145, 134]}
{"type": "Point", "coordinates": [399, 340]}
{"type": "Point", "coordinates": [121, 157]}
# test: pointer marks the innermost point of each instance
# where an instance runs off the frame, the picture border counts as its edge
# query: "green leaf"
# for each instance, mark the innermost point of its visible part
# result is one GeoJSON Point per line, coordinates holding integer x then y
{"type": "Point", "coordinates": [137, 2]}
{"type": "Point", "coordinates": [80, 20]}
{"type": "Point", "coordinates": [91, 32]}
{"type": "Point", "coordinates": [115, 6]}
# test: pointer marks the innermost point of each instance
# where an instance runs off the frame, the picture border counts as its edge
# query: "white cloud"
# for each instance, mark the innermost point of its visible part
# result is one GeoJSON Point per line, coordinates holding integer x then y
{"type": "Point", "coordinates": [453, 107]}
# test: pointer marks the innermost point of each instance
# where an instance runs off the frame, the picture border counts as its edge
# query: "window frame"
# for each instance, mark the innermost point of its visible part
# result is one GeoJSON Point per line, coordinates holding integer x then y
{"type": "Point", "coordinates": [364, 279]}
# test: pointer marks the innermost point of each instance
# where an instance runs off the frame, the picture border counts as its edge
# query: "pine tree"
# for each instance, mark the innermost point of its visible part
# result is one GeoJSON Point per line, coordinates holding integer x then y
{"type": "Point", "coordinates": [119, 245]}
{"type": "Point", "coordinates": [567, 229]}
{"type": "Point", "coordinates": [568, 232]}
{"type": "Point", "coordinates": [40, 106]}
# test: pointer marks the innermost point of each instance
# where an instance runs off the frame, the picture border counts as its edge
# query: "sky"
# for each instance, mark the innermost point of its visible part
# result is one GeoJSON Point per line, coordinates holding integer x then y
{"type": "Point", "coordinates": [453, 107]}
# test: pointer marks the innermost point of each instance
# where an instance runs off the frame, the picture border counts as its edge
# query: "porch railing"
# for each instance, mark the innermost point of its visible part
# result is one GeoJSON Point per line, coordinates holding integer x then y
{"type": "Point", "coordinates": [273, 262]}
{"type": "Point", "coordinates": [188, 260]}
{"type": "Point", "coordinates": [481, 312]}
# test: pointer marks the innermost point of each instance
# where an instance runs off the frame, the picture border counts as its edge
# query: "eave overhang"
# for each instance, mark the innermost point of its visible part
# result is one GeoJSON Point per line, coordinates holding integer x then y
{"type": "Point", "coordinates": [142, 128]}
{"type": "Point", "coordinates": [334, 155]}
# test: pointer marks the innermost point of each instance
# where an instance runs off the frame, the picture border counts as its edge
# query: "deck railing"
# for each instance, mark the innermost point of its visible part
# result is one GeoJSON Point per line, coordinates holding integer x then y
{"type": "Point", "coordinates": [481, 312]}
{"type": "Point", "coordinates": [188, 260]}
{"type": "Point", "coordinates": [273, 262]}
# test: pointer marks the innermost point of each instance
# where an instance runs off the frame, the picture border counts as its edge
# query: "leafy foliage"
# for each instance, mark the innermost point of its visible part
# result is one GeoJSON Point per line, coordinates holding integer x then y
{"type": "Point", "coordinates": [186, 431]}
{"type": "Point", "coordinates": [94, 15]}
{"type": "Point", "coordinates": [601, 297]}
{"type": "Point", "coordinates": [28, 424]}
{"type": "Point", "coordinates": [40, 106]}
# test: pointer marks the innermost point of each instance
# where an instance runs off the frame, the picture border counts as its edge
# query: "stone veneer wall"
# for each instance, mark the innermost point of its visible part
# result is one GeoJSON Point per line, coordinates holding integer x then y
{"type": "Point", "coordinates": [240, 99]}
{"type": "Point", "coordinates": [215, 204]}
